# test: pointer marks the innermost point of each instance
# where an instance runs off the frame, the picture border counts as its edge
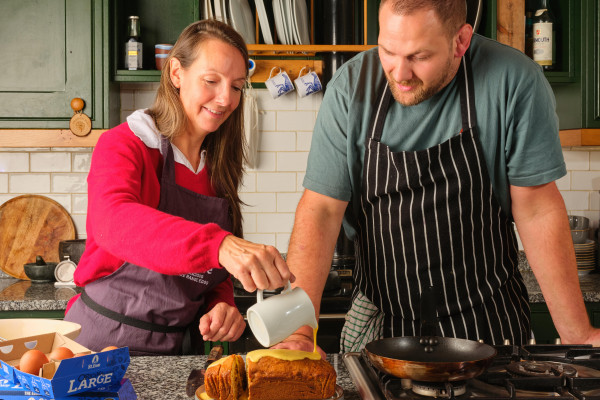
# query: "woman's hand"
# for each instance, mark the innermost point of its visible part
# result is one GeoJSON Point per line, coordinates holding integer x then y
{"type": "Point", "coordinates": [222, 323]}
{"type": "Point", "coordinates": [256, 266]}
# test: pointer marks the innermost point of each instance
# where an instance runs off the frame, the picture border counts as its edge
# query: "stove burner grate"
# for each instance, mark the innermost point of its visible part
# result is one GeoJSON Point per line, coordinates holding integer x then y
{"type": "Point", "coordinates": [541, 369]}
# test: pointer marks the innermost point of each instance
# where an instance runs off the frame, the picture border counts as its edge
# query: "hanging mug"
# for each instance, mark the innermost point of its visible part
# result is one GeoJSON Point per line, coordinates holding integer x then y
{"type": "Point", "coordinates": [279, 84]}
{"type": "Point", "coordinates": [308, 83]}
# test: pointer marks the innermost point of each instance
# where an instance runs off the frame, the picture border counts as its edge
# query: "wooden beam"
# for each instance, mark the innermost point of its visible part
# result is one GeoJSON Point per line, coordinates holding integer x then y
{"type": "Point", "coordinates": [46, 138]}
{"type": "Point", "coordinates": [510, 25]}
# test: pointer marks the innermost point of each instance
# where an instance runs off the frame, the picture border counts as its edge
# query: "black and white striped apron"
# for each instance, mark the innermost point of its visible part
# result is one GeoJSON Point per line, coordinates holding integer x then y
{"type": "Point", "coordinates": [430, 218]}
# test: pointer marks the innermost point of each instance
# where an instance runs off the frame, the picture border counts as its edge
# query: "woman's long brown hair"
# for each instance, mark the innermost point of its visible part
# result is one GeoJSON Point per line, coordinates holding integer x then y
{"type": "Point", "coordinates": [225, 147]}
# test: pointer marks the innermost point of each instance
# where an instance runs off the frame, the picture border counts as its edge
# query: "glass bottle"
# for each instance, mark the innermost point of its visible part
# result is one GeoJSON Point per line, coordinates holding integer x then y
{"type": "Point", "coordinates": [133, 46]}
{"type": "Point", "coordinates": [543, 36]}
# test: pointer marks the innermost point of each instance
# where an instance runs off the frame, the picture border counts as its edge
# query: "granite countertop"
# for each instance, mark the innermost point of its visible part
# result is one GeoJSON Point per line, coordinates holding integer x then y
{"type": "Point", "coordinates": [16, 294]}
{"type": "Point", "coordinates": [148, 377]}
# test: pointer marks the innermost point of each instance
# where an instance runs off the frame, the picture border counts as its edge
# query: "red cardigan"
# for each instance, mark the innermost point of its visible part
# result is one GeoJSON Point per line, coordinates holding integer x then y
{"type": "Point", "coordinates": [123, 222]}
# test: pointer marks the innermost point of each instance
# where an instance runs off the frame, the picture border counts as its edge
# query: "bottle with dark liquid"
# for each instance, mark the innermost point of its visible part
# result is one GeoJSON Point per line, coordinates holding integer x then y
{"type": "Point", "coordinates": [133, 46]}
{"type": "Point", "coordinates": [543, 36]}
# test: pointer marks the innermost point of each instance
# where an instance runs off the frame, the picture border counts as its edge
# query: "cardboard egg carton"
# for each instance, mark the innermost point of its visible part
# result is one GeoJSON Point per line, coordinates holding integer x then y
{"type": "Point", "coordinates": [90, 372]}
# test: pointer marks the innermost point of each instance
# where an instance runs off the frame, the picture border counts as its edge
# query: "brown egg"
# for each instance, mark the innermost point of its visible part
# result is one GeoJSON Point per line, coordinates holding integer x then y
{"type": "Point", "coordinates": [60, 353]}
{"type": "Point", "coordinates": [32, 361]}
{"type": "Point", "coordinates": [109, 348]}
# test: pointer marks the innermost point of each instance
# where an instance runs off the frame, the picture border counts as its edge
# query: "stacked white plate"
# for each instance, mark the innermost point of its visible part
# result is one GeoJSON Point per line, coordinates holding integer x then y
{"type": "Point", "coordinates": [291, 21]}
{"type": "Point", "coordinates": [585, 254]}
{"type": "Point", "coordinates": [236, 13]}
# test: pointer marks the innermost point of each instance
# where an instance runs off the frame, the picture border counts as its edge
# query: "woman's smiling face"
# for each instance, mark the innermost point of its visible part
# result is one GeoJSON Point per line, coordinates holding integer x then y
{"type": "Point", "coordinates": [211, 88]}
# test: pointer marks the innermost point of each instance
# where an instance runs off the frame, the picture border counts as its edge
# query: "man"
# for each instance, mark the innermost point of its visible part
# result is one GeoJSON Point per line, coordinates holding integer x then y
{"type": "Point", "coordinates": [429, 147]}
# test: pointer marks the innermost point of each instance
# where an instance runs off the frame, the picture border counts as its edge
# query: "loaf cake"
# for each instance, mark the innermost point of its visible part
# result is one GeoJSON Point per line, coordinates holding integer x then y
{"type": "Point", "coordinates": [288, 375]}
{"type": "Point", "coordinates": [225, 379]}
{"type": "Point", "coordinates": [271, 375]}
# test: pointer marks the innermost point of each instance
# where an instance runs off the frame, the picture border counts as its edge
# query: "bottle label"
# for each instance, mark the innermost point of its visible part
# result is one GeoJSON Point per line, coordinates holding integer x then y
{"type": "Point", "coordinates": [133, 55]}
{"type": "Point", "coordinates": [542, 43]}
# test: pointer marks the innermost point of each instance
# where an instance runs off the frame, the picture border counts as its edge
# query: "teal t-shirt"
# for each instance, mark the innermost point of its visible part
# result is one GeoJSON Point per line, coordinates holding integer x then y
{"type": "Point", "coordinates": [516, 122]}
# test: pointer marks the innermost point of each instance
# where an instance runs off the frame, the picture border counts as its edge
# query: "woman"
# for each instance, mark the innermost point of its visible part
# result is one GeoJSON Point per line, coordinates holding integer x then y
{"type": "Point", "coordinates": [164, 221]}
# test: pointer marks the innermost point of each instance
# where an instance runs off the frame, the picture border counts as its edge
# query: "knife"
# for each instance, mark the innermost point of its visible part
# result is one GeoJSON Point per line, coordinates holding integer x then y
{"type": "Point", "coordinates": [196, 378]}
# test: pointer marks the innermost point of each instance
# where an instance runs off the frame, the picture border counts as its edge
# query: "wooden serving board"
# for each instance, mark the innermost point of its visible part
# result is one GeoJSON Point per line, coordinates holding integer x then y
{"type": "Point", "coordinates": [31, 225]}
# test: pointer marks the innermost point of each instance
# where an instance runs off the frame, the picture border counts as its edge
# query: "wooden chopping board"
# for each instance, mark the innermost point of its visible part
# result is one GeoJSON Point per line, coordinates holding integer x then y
{"type": "Point", "coordinates": [31, 225]}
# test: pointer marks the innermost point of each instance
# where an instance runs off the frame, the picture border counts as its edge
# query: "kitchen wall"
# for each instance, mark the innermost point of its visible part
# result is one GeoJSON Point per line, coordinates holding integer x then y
{"type": "Point", "coordinates": [271, 190]}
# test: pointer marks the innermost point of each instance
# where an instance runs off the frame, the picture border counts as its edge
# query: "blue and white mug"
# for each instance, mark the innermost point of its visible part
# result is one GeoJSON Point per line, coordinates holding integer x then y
{"type": "Point", "coordinates": [279, 84]}
{"type": "Point", "coordinates": [308, 83]}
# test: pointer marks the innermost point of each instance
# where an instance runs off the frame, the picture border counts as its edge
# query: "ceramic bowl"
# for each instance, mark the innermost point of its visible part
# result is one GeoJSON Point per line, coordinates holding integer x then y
{"type": "Point", "coordinates": [579, 235]}
{"type": "Point", "coordinates": [579, 222]}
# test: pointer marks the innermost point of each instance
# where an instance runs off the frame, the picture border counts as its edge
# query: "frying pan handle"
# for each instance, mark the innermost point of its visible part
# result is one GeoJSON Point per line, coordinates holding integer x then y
{"type": "Point", "coordinates": [429, 320]}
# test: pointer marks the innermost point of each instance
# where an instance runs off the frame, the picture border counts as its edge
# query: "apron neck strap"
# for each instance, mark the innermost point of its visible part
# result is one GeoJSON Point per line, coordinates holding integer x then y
{"type": "Point", "coordinates": [467, 93]}
{"type": "Point", "coordinates": [168, 171]}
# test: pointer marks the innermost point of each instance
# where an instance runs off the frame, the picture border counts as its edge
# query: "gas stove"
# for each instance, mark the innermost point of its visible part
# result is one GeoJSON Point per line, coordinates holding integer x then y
{"type": "Point", "coordinates": [517, 372]}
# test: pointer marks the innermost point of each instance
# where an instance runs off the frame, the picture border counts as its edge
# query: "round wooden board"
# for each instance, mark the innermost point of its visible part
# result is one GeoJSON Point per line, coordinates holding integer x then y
{"type": "Point", "coordinates": [31, 225]}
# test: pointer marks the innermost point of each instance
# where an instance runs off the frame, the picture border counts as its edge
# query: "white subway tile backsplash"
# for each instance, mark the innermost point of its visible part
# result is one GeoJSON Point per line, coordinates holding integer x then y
{"type": "Point", "coordinates": [29, 183]}
{"type": "Point", "coordinates": [287, 202]}
{"type": "Point", "coordinates": [14, 162]}
{"type": "Point", "coordinates": [266, 162]}
{"type": "Point", "coordinates": [62, 199]}
{"type": "Point", "coordinates": [275, 222]}
{"type": "Point", "coordinates": [267, 120]}
{"type": "Point", "coordinates": [81, 162]}
{"type": "Point", "coordinates": [249, 223]}
{"type": "Point", "coordinates": [577, 160]}
{"type": "Point", "coordinates": [576, 200]}
{"type": "Point", "coordinates": [80, 225]}
{"type": "Point", "coordinates": [278, 141]}
{"type": "Point", "coordinates": [283, 241]}
{"type": "Point", "coordinates": [6, 197]}
{"type": "Point", "coordinates": [259, 202]}
{"type": "Point", "coordinates": [143, 98]}
{"type": "Point", "coordinates": [288, 161]}
{"type": "Point", "coordinates": [269, 239]}
{"type": "Point", "coordinates": [79, 203]}
{"type": "Point", "coordinates": [295, 120]}
{"type": "Point", "coordinates": [564, 183]}
{"type": "Point", "coordinates": [311, 102]}
{"type": "Point", "coordinates": [299, 180]}
{"type": "Point", "coordinates": [127, 100]}
{"type": "Point", "coordinates": [585, 180]}
{"type": "Point", "coordinates": [50, 162]}
{"type": "Point", "coordinates": [69, 183]}
{"type": "Point", "coordinates": [595, 201]}
{"type": "Point", "coordinates": [248, 182]}
{"type": "Point", "coordinates": [264, 101]}
{"type": "Point", "coordinates": [3, 183]}
{"type": "Point", "coordinates": [595, 160]}
{"type": "Point", "coordinates": [276, 182]}
{"type": "Point", "coordinates": [303, 140]}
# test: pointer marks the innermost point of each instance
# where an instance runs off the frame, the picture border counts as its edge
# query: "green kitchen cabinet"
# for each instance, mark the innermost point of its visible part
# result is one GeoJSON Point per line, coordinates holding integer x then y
{"type": "Point", "coordinates": [161, 23]}
{"type": "Point", "coordinates": [54, 51]}
{"type": "Point", "coordinates": [591, 89]}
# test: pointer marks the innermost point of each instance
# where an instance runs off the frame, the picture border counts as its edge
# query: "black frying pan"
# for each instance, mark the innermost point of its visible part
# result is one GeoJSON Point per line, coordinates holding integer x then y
{"type": "Point", "coordinates": [430, 359]}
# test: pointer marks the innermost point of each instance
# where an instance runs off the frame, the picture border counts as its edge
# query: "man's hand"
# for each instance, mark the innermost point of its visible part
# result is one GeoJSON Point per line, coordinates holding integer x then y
{"type": "Point", "coordinates": [298, 341]}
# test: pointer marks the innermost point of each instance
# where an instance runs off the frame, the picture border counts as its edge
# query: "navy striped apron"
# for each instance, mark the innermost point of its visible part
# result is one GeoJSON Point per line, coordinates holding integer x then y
{"type": "Point", "coordinates": [430, 218]}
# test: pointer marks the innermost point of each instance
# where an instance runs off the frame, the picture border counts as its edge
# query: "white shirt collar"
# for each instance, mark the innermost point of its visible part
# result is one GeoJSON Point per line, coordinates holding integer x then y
{"type": "Point", "coordinates": [144, 128]}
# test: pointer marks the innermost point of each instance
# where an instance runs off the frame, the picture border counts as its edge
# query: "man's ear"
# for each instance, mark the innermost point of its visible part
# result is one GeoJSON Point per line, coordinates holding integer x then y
{"type": "Point", "coordinates": [175, 72]}
{"type": "Point", "coordinates": [463, 40]}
